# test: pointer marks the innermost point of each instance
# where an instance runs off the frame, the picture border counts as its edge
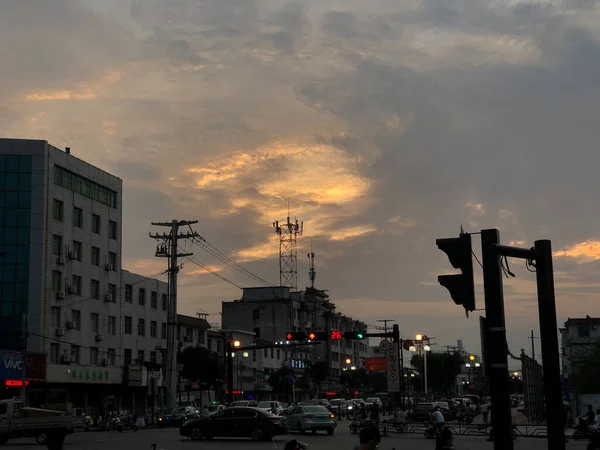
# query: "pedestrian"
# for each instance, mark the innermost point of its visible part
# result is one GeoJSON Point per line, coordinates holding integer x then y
{"type": "Point", "coordinates": [484, 412]}
{"type": "Point", "coordinates": [438, 418]}
{"type": "Point", "coordinates": [444, 439]}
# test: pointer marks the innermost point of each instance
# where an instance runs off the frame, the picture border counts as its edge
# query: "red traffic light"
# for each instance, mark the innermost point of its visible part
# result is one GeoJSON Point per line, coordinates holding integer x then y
{"type": "Point", "coordinates": [312, 336]}
{"type": "Point", "coordinates": [295, 336]}
{"type": "Point", "coordinates": [336, 334]}
{"type": "Point", "coordinates": [289, 336]}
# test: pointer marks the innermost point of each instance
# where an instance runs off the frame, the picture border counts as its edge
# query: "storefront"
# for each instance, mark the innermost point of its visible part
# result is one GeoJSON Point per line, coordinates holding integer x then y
{"type": "Point", "coordinates": [11, 375]}
{"type": "Point", "coordinates": [89, 387]}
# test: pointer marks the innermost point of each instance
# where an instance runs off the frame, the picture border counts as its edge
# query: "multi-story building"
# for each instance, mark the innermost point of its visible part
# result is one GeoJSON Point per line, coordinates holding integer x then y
{"type": "Point", "coordinates": [273, 311]}
{"type": "Point", "coordinates": [61, 277]}
{"type": "Point", "coordinates": [579, 335]}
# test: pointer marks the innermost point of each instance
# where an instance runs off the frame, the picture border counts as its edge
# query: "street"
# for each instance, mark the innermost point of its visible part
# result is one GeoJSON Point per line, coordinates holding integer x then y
{"type": "Point", "coordinates": [169, 439]}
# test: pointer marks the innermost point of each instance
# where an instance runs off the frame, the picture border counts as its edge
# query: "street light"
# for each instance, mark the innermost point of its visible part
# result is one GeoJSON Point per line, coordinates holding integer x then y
{"type": "Point", "coordinates": [419, 337]}
{"type": "Point", "coordinates": [477, 365]}
{"type": "Point", "coordinates": [348, 361]}
{"type": "Point", "coordinates": [236, 343]}
{"type": "Point", "coordinates": [471, 358]}
{"type": "Point", "coordinates": [426, 348]}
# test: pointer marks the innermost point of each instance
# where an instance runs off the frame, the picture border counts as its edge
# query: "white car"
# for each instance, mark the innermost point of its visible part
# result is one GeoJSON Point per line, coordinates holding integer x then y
{"type": "Point", "coordinates": [371, 401]}
{"type": "Point", "coordinates": [271, 406]}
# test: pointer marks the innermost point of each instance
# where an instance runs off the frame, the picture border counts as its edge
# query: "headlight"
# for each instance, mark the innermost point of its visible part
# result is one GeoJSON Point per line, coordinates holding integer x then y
{"type": "Point", "coordinates": [349, 407]}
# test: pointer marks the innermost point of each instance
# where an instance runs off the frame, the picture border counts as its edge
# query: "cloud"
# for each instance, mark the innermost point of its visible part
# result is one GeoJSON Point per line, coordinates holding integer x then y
{"type": "Point", "coordinates": [383, 125]}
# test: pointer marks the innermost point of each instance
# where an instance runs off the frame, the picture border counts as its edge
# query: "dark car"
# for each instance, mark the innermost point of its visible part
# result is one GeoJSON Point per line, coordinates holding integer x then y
{"type": "Point", "coordinates": [175, 417]}
{"type": "Point", "coordinates": [254, 423]}
{"type": "Point", "coordinates": [422, 412]}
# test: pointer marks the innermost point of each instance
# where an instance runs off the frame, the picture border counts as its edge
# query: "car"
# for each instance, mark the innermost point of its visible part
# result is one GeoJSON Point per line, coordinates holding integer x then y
{"type": "Point", "coordinates": [214, 409]}
{"type": "Point", "coordinates": [272, 406]}
{"type": "Point", "coordinates": [339, 406]}
{"type": "Point", "coordinates": [445, 410]}
{"type": "Point", "coordinates": [318, 401]}
{"type": "Point", "coordinates": [240, 421]}
{"type": "Point", "coordinates": [244, 403]}
{"type": "Point", "coordinates": [422, 412]}
{"type": "Point", "coordinates": [372, 400]}
{"type": "Point", "coordinates": [175, 416]}
{"type": "Point", "coordinates": [521, 407]}
{"type": "Point", "coordinates": [312, 418]}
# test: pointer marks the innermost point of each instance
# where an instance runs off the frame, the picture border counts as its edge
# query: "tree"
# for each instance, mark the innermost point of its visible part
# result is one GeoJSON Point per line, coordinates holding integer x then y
{"type": "Point", "coordinates": [588, 368]}
{"type": "Point", "coordinates": [318, 372]}
{"type": "Point", "coordinates": [203, 366]}
{"type": "Point", "coordinates": [442, 370]}
{"type": "Point", "coordinates": [279, 381]}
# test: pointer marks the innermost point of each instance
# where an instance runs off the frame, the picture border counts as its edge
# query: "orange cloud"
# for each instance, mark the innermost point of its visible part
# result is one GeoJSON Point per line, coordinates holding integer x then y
{"type": "Point", "coordinates": [583, 251]}
{"type": "Point", "coordinates": [89, 91]}
{"type": "Point", "coordinates": [352, 232]}
{"type": "Point", "coordinates": [148, 267]}
{"type": "Point", "coordinates": [202, 271]}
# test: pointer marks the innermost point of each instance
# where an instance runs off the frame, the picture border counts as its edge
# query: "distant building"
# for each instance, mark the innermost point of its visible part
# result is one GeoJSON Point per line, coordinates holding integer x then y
{"type": "Point", "coordinates": [578, 336]}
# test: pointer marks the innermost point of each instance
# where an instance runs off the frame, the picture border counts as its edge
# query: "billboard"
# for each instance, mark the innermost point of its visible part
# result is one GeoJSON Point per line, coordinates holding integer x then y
{"type": "Point", "coordinates": [376, 364]}
{"type": "Point", "coordinates": [11, 366]}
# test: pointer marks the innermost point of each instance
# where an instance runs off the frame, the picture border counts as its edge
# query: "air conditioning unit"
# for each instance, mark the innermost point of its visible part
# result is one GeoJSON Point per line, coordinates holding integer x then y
{"type": "Point", "coordinates": [108, 267]}
{"type": "Point", "coordinates": [71, 255]}
{"type": "Point", "coordinates": [60, 295]}
{"type": "Point", "coordinates": [60, 332]}
{"type": "Point", "coordinates": [60, 261]}
{"type": "Point", "coordinates": [70, 325]}
{"type": "Point", "coordinates": [108, 298]}
{"type": "Point", "coordinates": [99, 338]}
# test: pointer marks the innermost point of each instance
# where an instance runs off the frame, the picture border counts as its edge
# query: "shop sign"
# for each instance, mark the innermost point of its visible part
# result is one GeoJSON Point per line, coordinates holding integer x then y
{"type": "Point", "coordinates": [11, 365]}
{"type": "Point", "coordinates": [61, 373]}
{"type": "Point", "coordinates": [135, 376]}
{"type": "Point", "coordinates": [90, 375]}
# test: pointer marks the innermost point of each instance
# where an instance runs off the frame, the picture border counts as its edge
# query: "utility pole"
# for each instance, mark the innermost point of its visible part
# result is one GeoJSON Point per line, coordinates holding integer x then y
{"type": "Point", "coordinates": [168, 249]}
{"type": "Point", "coordinates": [24, 336]}
{"type": "Point", "coordinates": [532, 345]}
{"type": "Point", "coordinates": [385, 326]}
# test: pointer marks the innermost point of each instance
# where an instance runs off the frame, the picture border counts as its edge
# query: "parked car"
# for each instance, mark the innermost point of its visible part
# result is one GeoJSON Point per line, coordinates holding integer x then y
{"type": "Point", "coordinates": [240, 421]}
{"type": "Point", "coordinates": [320, 402]}
{"type": "Point", "coordinates": [175, 416]}
{"type": "Point", "coordinates": [311, 418]}
{"type": "Point", "coordinates": [339, 406]}
{"type": "Point", "coordinates": [214, 409]}
{"type": "Point", "coordinates": [272, 406]}
{"type": "Point", "coordinates": [453, 408]}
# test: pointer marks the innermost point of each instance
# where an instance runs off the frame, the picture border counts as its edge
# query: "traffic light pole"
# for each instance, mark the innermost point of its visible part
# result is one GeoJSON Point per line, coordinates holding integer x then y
{"type": "Point", "coordinates": [496, 351]}
{"type": "Point", "coordinates": [229, 361]}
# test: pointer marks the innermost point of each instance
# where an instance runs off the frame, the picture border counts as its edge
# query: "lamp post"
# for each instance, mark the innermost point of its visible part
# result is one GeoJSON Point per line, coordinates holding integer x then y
{"type": "Point", "coordinates": [423, 343]}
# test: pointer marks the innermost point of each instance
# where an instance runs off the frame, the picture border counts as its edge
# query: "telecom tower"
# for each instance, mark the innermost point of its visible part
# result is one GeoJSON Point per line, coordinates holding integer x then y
{"type": "Point", "coordinates": [312, 274]}
{"type": "Point", "coordinates": [288, 251]}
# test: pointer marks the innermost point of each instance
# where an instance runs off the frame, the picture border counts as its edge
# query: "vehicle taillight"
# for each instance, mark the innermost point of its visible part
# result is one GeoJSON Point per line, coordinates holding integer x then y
{"type": "Point", "coordinates": [308, 416]}
{"type": "Point", "coordinates": [276, 421]}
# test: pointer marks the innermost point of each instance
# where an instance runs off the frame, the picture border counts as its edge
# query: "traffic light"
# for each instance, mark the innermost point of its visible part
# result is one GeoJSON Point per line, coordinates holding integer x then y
{"type": "Point", "coordinates": [396, 334]}
{"type": "Point", "coordinates": [318, 335]}
{"type": "Point", "coordinates": [355, 335]}
{"type": "Point", "coordinates": [461, 286]}
{"type": "Point", "coordinates": [295, 336]}
{"type": "Point", "coordinates": [406, 345]}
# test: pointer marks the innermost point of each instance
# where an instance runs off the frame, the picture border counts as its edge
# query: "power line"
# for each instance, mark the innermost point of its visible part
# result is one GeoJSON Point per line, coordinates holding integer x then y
{"type": "Point", "coordinates": [212, 272]}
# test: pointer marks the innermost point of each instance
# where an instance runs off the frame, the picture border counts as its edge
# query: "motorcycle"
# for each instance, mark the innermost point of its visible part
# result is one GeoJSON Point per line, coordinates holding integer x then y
{"type": "Point", "coordinates": [126, 423]}
{"type": "Point", "coordinates": [432, 432]}
{"type": "Point", "coordinates": [582, 430]}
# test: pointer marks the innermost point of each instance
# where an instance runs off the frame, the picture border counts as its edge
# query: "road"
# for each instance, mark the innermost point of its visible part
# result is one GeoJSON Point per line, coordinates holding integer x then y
{"type": "Point", "coordinates": [169, 439]}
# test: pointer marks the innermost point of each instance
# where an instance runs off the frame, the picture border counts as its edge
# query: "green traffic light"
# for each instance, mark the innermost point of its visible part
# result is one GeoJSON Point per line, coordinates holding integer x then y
{"type": "Point", "coordinates": [360, 335]}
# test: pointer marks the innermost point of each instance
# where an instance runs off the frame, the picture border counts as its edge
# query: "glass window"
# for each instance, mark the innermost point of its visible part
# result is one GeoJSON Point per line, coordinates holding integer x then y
{"type": "Point", "coordinates": [75, 353]}
{"type": "Point", "coordinates": [142, 296]}
{"type": "Point", "coordinates": [163, 301]}
{"type": "Point", "coordinates": [128, 324]}
{"type": "Point", "coordinates": [112, 229]}
{"type": "Point", "coordinates": [11, 199]}
{"type": "Point", "coordinates": [95, 289]}
{"type": "Point", "coordinates": [56, 280]}
{"type": "Point", "coordinates": [153, 299]}
{"type": "Point", "coordinates": [54, 353]}
{"type": "Point", "coordinates": [112, 261]}
{"type": "Point", "coordinates": [110, 356]}
{"type": "Point", "coordinates": [25, 182]}
{"type": "Point", "coordinates": [76, 319]}
{"type": "Point", "coordinates": [141, 327]}
{"type": "Point", "coordinates": [77, 250]}
{"type": "Point", "coordinates": [22, 274]}
{"type": "Point", "coordinates": [23, 236]}
{"type": "Point", "coordinates": [112, 290]}
{"type": "Point", "coordinates": [95, 256]}
{"type": "Point", "coordinates": [25, 163]}
{"type": "Point", "coordinates": [55, 316]}
{"type": "Point", "coordinates": [140, 357]}
{"type": "Point", "coordinates": [94, 356]}
{"type": "Point", "coordinates": [95, 223]}
{"type": "Point", "coordinates": [24, 200]}
{"type": "Point", "coordinates": [58, 210]}
{"type": "Point", "coordinates": [153, 329]}
{"type": "Point", "coordinates": [153, 357]}
{"type": "Point", "coordinates": [112, 325]}
{"type": "Point", "coordinates": [78, 217]}
{"type": "Point", "coordinates": [76, 285]}
{"type": "Point", "coordinates": [24, 217]}
{"type": "Point", "coordinates": [127, 356]}
{"type": "Point", "coordinates": [163, 331]}
{"type": "Point", "coordinates": [10, 217]}
{"type": "Point", "coordinates": [57, 245]}
{"type": "Point", "coordinates": [12, 163]}
{"type": "Point", "coordinates": [2, 163]}
{"type": "Point", "coordinates": [12, 182]}
{"type": "Point", "coordinates": [128, 293]}
{"type": "Point", "coordinates": [22, 254]}
{"type": "Point", "coordinates": [95, 322]}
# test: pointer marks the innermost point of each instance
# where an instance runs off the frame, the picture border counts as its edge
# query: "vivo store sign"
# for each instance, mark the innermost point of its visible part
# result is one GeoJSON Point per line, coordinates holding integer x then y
{"type": "Point", "coordinates": [11, 365]}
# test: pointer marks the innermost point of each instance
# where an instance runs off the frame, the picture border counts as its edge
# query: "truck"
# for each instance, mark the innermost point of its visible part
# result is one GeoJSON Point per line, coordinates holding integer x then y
{"type": "Point", "coordinates": [50, 427]}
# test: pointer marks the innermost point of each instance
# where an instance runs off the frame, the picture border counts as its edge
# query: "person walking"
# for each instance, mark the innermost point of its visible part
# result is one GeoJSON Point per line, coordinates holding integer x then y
{"type": "Point", "coordinates": [484, 412]}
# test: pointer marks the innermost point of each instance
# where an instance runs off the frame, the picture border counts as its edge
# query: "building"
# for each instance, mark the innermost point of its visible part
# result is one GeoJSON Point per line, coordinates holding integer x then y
{"type": "Point", "coordinates": [271, 312]}
{"type": "Point", "coordinates": [61, 278]}
{"type": "Point", "coordinates": [579, 335]}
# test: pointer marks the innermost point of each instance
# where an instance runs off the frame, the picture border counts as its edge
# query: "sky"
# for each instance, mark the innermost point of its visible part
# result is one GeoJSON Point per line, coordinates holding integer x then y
{"type": "Point", "coordinates": [383, 125]}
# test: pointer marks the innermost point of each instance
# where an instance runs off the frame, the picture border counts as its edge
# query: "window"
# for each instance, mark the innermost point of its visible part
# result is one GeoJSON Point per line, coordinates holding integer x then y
{"type": "Point", "coordinates": [153, 357]}
{"type": "Point", "coordinates": [140, 357]}
{"type": "Point", "coordinates": [77, 217]}
{"type": "Point", "coordinates": [128, 293]}
{"type": "Point", "coordinates": [95, 256]}
{"type": "Point", "coordinates": [55, 316]}
{"type": "Point", "coordinates": [58, 210]}
{"type": "Point", "coordinates": [112, 229]}
{"type": "Point", "coordinates": [201, 337]}
{"type": "Point", "coordinates": [218, 346]}
{"type": "Point", "coordinates": [256, 332]}
{"type": "Point", "coordinates": [153, 327]}
{"type": "Point", "coordinates": [94, 356]}
{"type": "Point", "coordinates": [110, 356]}
{"type": "Point", "coordinates": [256, 314]}
{"type": "Point", "coordinates": [56, 280]}
{"type": "Point", "coordinates": [76, 284]}
{"type": "Point", "coordinates": [278, 354]}
{"type": "Point", "coordinates": [75, 353]}
{"type": "Point", "coordinates": [112, 325]}
{"type": "Point", "coordinates": [583, 331]}
{"type": "Point", "coordinates": [57, 244]}
{"type": "Point", "coordinates": [95, 322]}
{"type": "Point", "coordinates": [77, 250]}
{"type": "Point", "coordinates": [142, 296]}
{"type": "Point", "coordinates": [266, 353]}
{"type": "Point", "coordinates": [112, 290]}
{"type": "Point", "coordinates": [209, 344]}
{"type": "Point", "coordinates": [163, 301]}
{"type": "Point", "coordinates": [128, 324]}
{"type": "Point", "coordinates": [54, 353]}
{"type": "Point", "coordinates": [69, 180]}
{"type": "Point", "coordinates": [95, 289]}
{"type": "Point", "coordinates": [76, 319]}
{"type": "Point", "coordinates": [112, 261]}
{"type": "Point", "coordinates": [127, 356]}
{"type": "Point", "coordinates": [141, 327]}
{"type": "Point", "coordinates": [95, 224]}
{"type": "Point", "coordinates": [153, 299]}
{"type": "Point", "coordinates": [272, 353]}
{"type": "Point", "coordinates": [163, 331]}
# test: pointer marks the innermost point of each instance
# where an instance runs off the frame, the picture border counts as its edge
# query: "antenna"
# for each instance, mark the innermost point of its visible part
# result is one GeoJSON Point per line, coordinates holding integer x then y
{"type": "Point", "coordinates": [311, 271]}
{"type": "Point", "coordinates": [288, 251]}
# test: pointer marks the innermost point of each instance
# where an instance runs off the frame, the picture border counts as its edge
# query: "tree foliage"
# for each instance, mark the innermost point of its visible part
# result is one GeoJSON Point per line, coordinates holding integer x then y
{"type": "Point", "coordinates": [354, 378]}
{"type": "Point", "coordinates": [203, 366]}
{"type": "Point", "coordinates": [318, 372]}
{"type": "Point", "coordinates": [588, 368]}
{"type": "Point", "coordinates": [442, 369]}
{"type": "Point", "coordinates": [279, 380]}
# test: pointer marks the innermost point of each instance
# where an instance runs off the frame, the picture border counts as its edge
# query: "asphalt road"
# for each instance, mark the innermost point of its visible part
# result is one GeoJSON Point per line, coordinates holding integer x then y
{"type": "Point", "coordinates": [169, 439]}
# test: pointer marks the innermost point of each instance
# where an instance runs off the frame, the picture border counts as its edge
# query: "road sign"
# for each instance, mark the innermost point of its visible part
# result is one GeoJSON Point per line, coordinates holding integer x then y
{"type": "Point", "coordinates": [383, 345]}
{"type": "Point", "coordinates": [292, 379]}
{"type": "Point", "coordinates": [393, 368]}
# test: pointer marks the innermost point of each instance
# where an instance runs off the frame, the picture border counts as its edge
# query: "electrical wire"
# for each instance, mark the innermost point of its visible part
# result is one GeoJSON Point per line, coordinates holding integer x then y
{"type": "Point", "coordinates": [212, 272]}
{"type": "Point", "coordinates": [476, 259]}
